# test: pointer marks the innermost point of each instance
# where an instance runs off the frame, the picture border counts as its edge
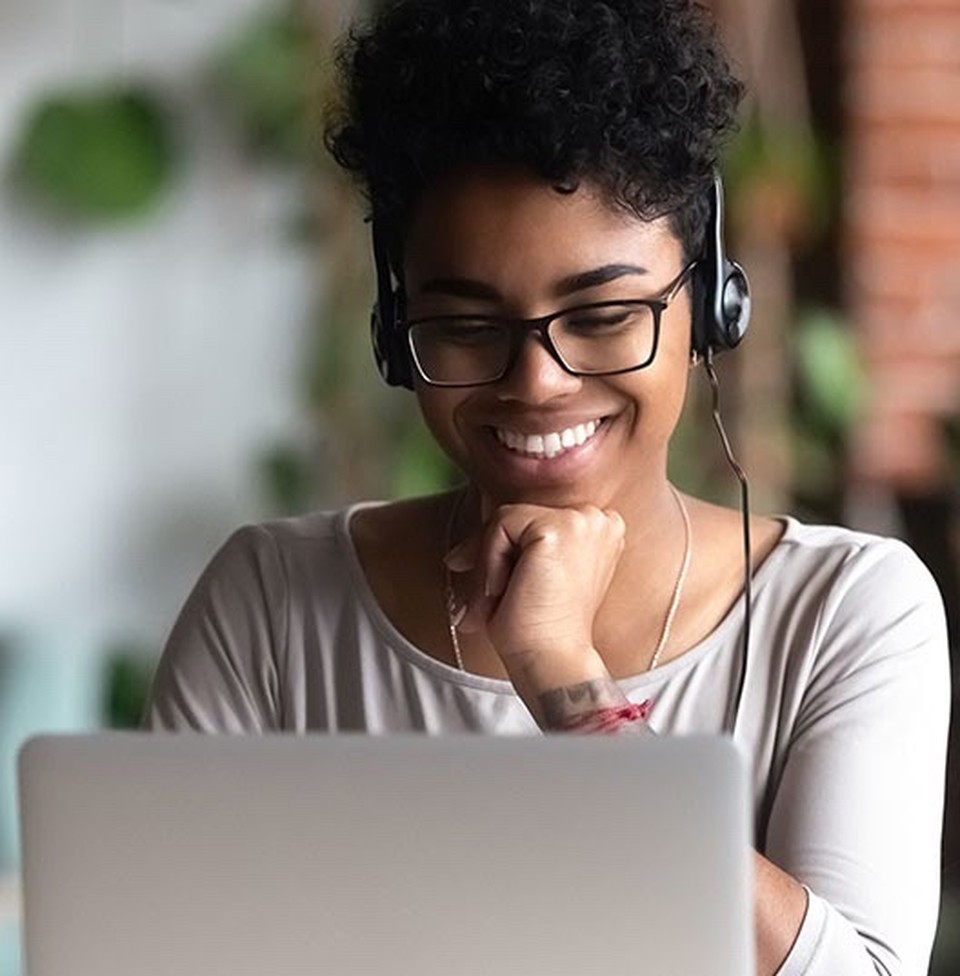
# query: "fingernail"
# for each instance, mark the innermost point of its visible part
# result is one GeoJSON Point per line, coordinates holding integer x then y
{"type": "Point", "coordinates": [457, 560]}
{"type": "Point", "coordinates": [490, 590]}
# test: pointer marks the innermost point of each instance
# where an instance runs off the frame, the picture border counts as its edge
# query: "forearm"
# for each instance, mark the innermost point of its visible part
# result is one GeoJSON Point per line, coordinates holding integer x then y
{"type": "Point", "coordinates": [780, 900]}
{"type": "Point", "coordinates": [580, 696]}
{"type": "Point", "coordinates": [780, 903]}
{"type": "Point", "coordinates": [559, 687]}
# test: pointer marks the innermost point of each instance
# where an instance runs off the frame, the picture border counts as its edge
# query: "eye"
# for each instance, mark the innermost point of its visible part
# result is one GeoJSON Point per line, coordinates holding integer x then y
{"type": "Point", "coordinates": [459, 332]}
{"type": "Point", "coordinates": [606, 319]}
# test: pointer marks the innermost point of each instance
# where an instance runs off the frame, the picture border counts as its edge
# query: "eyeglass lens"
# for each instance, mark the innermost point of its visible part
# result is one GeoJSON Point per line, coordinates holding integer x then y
{"type": "Point", "coordinates": [605, 339]}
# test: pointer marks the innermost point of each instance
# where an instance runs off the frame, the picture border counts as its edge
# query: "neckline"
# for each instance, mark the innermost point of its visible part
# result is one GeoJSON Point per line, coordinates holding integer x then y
{"type": "Point", "coordinates": [452, 675]}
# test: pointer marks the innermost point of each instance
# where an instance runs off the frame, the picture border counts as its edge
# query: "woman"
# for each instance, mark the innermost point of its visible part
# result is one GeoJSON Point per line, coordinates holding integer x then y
{"type": "Point", "coordinates": [540, 174]}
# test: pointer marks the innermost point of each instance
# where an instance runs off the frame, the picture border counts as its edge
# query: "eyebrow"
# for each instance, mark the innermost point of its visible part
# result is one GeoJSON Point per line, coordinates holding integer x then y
{"type": "Point", "coordinates": [470, 288]}
{"type": "Point", "coordinates": [598, 276]}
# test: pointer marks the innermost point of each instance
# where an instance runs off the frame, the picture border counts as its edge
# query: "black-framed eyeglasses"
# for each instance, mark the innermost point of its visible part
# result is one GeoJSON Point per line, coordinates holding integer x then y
{"type": "Point", "coordinates": [597, 339]}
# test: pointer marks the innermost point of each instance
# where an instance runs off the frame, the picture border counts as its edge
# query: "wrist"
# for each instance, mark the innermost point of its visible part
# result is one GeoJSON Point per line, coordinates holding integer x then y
{"type": "Point", "coordinates": [593, 706]}
{"type": "Point", "coordinates": [628, 719]}
{"type": "Point", "coordinates": [565, 686]}
{"type": "Point", "coordinates": [538, 673]}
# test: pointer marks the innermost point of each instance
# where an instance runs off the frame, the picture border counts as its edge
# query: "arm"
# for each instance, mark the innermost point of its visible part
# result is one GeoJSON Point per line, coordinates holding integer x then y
{"type": "Point", "coordinates": [208, 678]}
{"type": "Point", "coordinates": [848, 878]}
{"type": "Point", "coordinates": [857, 815]}
{"type": "Point", "coordinates": [780, 901]}
{"type": "Point", "coordinates": [858, 808]}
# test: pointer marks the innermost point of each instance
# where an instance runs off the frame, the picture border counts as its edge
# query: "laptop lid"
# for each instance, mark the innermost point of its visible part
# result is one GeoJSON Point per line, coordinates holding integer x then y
{"type": "Point", "coordinates": [191, 855]}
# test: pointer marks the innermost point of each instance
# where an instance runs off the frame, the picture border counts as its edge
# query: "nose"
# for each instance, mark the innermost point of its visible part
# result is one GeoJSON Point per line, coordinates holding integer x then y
{"type": "Point", "coordinates": [536, 376]}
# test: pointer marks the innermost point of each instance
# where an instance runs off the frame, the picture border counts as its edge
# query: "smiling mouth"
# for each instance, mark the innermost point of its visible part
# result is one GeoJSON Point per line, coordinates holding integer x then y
{"type": "Point", "coordinates": [547, 445]}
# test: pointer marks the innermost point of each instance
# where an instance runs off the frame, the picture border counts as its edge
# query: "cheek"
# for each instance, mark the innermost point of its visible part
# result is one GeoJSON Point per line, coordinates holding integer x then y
{"type": "Point", "coordinates": [657, 416]}
{"type": "Point", "coordinates": [678, 393]}
{"type": "Point", "coordinates": [438, 408]}
{"type": "Point", "coordinates": [660, 394]}
{"type": "Point", "coordinates": [671, 372]}
{"type": "Point", "coordinates": [675, 396]}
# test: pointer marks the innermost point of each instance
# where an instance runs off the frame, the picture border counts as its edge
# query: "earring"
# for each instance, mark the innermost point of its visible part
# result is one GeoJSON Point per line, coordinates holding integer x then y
{"type": "Point", "coordinates": [694, 358]}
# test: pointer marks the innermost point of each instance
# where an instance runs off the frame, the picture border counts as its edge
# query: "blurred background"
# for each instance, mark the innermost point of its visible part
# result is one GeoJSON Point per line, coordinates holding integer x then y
{"type": "Point", "coordinates": [185, 291]}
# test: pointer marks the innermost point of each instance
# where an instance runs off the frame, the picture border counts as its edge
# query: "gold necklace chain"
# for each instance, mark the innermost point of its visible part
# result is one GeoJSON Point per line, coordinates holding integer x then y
{"type": "Point", "coordinates": [678, 586]}
{"type": "Point", "coordinates": [451, 602]}
{"type": "Point", "coordinates": [450, 598]}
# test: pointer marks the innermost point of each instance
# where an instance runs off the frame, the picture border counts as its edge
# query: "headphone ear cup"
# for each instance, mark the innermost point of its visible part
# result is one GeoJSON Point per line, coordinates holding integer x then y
{"type": "Point", "coordinates": [700, 311]}
{"type": "Point", "coordinates": [721, 292]}
{"type": "Point", "coordinates": [389, 348]}
{"type": "Point", "coordinates": [734, 305]}
{"type": "Point", "coordinates": [376, 339]}
{"type": "Point", "coordinates": [391, 357]}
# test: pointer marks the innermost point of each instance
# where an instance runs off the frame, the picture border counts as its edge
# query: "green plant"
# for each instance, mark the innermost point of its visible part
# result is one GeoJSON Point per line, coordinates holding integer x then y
{"type": "Point", "coordinates": [97, 156]}
{"type": "Point", "coordinates": [830, 389]}
{"type": "Point", "coordinates": [127, 675]}
{"type": "Point", "coordinates": [264, 75]}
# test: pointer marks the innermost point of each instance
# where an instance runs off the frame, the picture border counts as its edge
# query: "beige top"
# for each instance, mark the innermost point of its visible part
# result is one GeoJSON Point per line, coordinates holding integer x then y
{"type": "Point", "coordinates": [844, 711]}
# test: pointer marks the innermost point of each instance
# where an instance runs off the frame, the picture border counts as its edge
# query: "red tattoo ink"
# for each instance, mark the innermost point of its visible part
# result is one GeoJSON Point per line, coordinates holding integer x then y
{"type": "Point", "coordinates": [609, 721]}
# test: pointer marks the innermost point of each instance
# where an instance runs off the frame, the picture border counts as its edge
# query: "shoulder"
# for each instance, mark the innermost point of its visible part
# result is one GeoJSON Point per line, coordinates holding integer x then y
{"type": "Point", "coordinates": [845, 561]}
{"type": "Point", "coordinates": [325, 555]}
{"type": "Point", "coordinates": [399, 542]}
{"type": "Point", "coordinates": [268, 569]}
{"type": "Point", "coordinates": [314, 541]}
{"type": "Point", "coordinates": [858, 601]}
{"type": "Point", "coordinates": [288, 534]}
{"type": "Point", "coordinates": [394, 525]}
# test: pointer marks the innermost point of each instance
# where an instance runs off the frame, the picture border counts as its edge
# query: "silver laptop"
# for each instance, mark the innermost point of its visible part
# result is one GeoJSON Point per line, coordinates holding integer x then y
{"type": "Point", "coordinates": [190, 855]}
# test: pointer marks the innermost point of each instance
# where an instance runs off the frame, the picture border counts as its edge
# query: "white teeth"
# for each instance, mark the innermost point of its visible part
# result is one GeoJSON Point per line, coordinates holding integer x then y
{"type": "Point", "coordinates": [551, 444]}
{"type": "Point", "coordinates": [548, 445]}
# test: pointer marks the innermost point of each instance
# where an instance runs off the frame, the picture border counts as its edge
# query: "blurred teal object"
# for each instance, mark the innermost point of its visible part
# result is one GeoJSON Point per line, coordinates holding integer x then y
{"type": "Point", "coordinates": [48, 683]}
{"type": "Point", "coordinates": [96, 156]}
{"type": "Point", "coordinates": [10, 962]}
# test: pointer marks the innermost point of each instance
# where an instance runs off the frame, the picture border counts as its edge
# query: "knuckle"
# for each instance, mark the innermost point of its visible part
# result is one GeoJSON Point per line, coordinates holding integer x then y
{"type": "Point", "coordinates": [617, 522]}
{"type": "Point", "coordinates": [588, 516]}
{"type": "Point", "coordinates": [550, 536]}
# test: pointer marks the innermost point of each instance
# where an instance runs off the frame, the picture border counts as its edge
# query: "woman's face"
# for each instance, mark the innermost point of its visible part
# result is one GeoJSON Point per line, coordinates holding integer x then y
{"type": "Point", "coordinates": [504, 243]}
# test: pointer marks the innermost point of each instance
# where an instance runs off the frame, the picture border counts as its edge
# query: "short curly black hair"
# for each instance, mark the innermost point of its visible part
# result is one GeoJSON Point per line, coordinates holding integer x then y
{"type": "Point", "coordinates": [633, 96]}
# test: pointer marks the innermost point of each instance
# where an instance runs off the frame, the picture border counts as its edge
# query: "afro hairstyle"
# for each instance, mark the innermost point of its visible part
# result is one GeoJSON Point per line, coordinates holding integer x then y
{"type": "Point", "coordinates": [635, 97]}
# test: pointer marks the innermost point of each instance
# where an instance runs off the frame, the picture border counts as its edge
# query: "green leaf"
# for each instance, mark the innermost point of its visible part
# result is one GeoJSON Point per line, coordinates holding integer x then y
{"type": "Point", "coordinates": [286, 473]}
{"type": "Point", "coordinates": [830, 372]}
{"type": "Point", "coordinates": [100, 156]}
{"type": "Point", "coordinates": [265, 75]}
{"type": "Point", "coordinates": [127, 678]}
{"type": "Point", "coordinates": [421, 468]}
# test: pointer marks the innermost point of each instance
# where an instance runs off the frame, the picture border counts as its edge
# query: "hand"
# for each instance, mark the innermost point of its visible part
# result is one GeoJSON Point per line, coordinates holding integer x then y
{"type": "Point", "coordinates": [535, 580]}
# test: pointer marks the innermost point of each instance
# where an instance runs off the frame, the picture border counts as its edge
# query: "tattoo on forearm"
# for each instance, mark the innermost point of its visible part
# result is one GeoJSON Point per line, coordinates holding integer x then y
{"type": "Point", "coordinates": [596, 706]}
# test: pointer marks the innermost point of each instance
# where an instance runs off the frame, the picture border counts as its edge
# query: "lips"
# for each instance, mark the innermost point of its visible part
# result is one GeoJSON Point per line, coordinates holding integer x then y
{"type": "Point", "coordinates": [549, 444]}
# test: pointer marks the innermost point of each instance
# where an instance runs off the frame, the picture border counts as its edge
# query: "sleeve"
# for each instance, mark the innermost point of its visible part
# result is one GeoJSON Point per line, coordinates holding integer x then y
{"type": "Point", "coordinates": [857, 817]}
{"type": "Point", "coordinates": [218, 671]}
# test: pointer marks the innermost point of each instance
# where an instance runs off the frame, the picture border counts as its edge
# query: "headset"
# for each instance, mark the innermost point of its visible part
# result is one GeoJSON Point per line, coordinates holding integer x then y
{"type": "Point", "coordinates": [719, 321]}
{"type": "Point", "coordinates": [721, 292]}
{"type": "Point", "coordinates": [721, 302]}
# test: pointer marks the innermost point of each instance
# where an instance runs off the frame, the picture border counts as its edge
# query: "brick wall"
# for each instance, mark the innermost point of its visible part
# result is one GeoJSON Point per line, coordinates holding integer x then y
{"type": "Point", "coordinates": [902, 252]}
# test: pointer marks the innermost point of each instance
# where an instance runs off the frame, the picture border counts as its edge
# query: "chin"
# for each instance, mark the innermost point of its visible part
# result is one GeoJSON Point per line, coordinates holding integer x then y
{"type": "Point", "coordinates": [557, 495]}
